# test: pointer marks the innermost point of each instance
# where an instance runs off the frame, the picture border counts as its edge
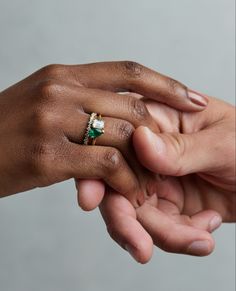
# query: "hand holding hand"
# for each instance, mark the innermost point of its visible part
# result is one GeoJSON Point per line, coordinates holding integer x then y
{"type": "Point", "coordinates": [196, 154]}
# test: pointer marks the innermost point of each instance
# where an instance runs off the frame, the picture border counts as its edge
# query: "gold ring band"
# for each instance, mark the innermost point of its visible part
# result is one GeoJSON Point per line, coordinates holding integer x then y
{"type": "Point", "coordinates": [95, 128]}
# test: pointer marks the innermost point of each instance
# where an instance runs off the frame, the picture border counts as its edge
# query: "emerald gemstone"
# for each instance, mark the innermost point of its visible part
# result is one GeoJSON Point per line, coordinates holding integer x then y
{"type": "Point", "coordinates": [95, 132]}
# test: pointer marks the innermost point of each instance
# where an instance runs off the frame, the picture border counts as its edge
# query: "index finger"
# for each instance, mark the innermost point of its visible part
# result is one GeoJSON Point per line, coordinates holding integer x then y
{"type": "Point", "coordinates": [123, 227]}
{"type": "Point", "coordinates": [133, 77]}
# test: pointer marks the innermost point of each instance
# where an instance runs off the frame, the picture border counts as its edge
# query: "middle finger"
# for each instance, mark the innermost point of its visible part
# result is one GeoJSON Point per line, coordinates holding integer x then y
{"type": "Point", "coordinates": [126, 107]}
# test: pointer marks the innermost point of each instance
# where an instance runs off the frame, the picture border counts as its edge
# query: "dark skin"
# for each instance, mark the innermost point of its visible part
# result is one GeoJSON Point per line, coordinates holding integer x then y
{"type": "Point", "coordinates": [43, 119]}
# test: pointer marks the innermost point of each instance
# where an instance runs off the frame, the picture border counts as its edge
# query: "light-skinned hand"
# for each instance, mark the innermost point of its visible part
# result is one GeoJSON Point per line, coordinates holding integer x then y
{"type": "Point", "coordinates": [195, 155]}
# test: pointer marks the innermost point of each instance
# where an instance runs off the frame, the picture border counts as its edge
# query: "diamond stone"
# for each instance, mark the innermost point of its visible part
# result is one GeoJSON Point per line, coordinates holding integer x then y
{"type": "Point", "coordinates": [98, 124]}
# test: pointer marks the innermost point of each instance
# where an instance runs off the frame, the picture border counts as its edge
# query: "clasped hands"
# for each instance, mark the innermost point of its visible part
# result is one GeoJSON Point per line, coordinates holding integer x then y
{"type": "Point", "coordinates": [162, 174]}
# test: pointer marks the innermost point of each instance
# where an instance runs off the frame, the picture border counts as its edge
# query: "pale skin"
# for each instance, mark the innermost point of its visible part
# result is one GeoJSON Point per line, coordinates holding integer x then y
{"type": "Point", "coordinates": [196, 153]}
{"type": "Point", "coordinates": [42, 122]}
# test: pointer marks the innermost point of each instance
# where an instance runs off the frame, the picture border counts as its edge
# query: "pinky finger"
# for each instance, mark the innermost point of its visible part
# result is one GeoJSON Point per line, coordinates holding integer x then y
{"type": "Point", "coordinates": [208, 220]}
{"type": "Point", "coordinates": [172, 236]}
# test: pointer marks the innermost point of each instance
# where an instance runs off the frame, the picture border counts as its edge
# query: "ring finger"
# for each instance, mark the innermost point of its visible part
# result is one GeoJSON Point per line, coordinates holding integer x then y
{"type": "Point", "coordinates": [118, 134]}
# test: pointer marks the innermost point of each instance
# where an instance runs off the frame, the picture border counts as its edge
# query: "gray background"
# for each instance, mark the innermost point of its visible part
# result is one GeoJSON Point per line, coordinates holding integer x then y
{"type": "Point", "coordinates": [46, 242]}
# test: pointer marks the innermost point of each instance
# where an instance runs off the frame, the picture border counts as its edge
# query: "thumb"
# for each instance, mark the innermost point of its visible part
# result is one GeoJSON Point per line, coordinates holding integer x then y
{"type": "Point", "coordinates": [176, 154]}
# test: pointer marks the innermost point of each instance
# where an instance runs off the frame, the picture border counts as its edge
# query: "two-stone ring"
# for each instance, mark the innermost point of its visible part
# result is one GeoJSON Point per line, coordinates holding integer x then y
{"type": "Point", "coordinates": [95, 128]}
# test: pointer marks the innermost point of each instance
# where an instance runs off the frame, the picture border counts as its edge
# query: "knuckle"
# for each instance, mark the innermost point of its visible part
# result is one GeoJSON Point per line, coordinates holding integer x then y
{"type": "Point", "coordinates": [47, 91]}
{"type": "Point", "coordinates": [51, 70]}
{"type": "Point", "coordinates": [111, 161]}
{"type": "Point", "coordinates": [179, 145]}
{"type": "Point", "coordinates": [138, 109]}
{"type": "Point", "coordinates": [173, 86]}
{"type": "Point", "coordinates": [132, 69]}
{"type": "Point", "coordinates": [42, 120]}
{"type": "Point", "coordinates": [124, 130]}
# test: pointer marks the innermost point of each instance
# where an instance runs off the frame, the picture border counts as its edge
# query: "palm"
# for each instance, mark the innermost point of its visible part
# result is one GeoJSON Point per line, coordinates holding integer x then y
{"type": "Point", "coordinates": [182, 208]}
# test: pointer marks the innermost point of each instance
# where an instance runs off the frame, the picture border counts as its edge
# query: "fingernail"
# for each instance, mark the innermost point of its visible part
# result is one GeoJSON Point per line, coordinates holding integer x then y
{"type": "Point", "coordinates": [199, 248]}
{"type": "Point", "coordinates": [215, 223]}
{"type": "Point", "coordinates": [131, 251]}
{"type": "Point", "coordinates": [156, 141]}
{"type": "Point", "coordinates": [197, 98]}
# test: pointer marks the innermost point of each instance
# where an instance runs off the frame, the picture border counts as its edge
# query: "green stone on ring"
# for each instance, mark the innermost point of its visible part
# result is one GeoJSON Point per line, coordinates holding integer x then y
{"type": "Point", "coordinates": [95, 132]}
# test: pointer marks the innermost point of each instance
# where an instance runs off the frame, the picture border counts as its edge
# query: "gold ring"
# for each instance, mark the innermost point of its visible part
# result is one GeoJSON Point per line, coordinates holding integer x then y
{"type": "Point", "coordinates": [95, 128]}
